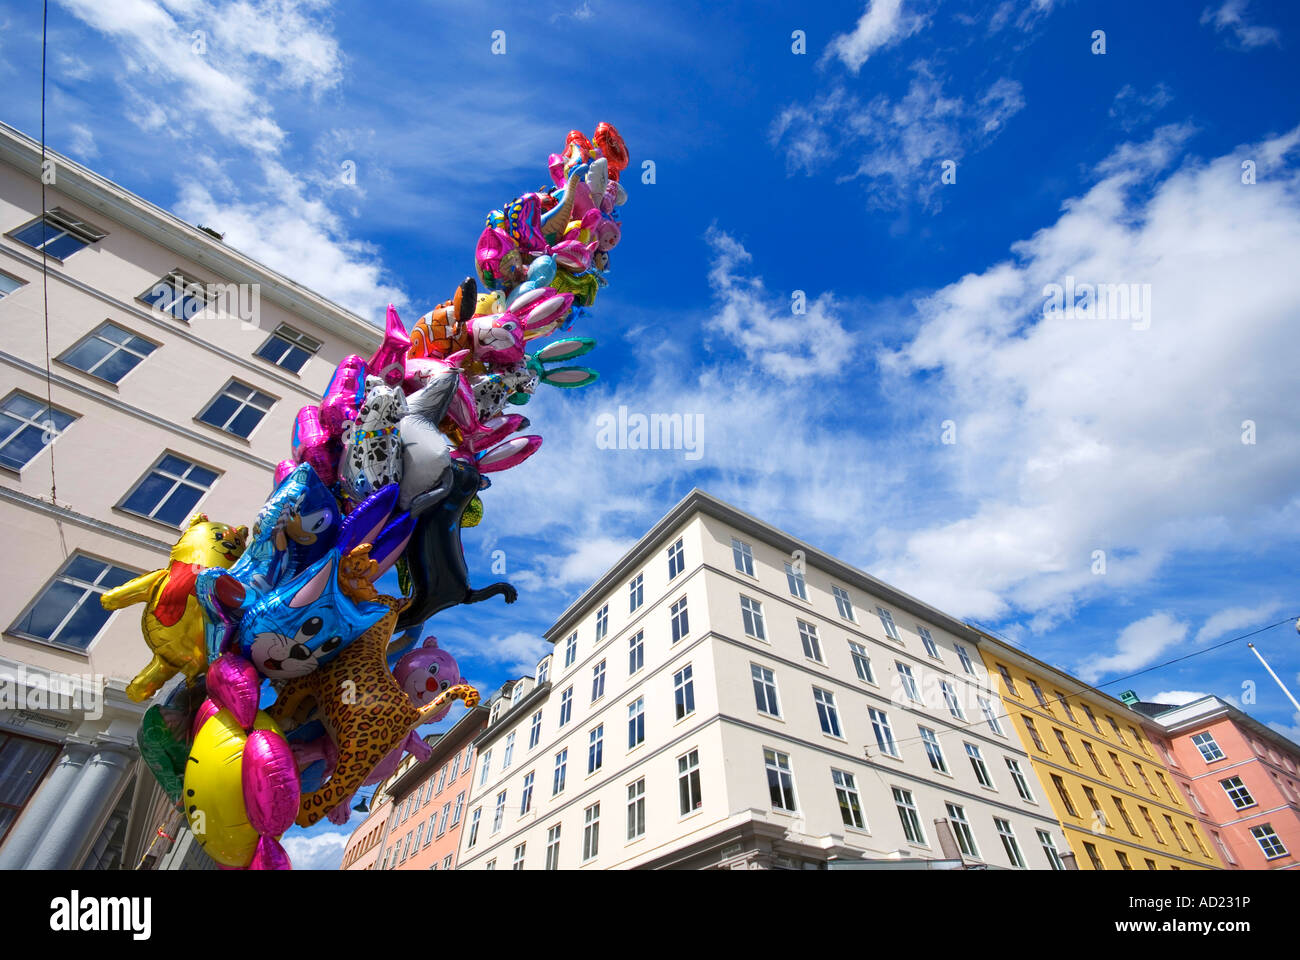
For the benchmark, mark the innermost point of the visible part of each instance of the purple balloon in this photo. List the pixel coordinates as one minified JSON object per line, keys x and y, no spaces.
{"x":271,"y":792}
{"x":233,"y":683}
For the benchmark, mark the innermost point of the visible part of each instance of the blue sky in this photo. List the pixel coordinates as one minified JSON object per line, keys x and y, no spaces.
{"x":820,"y":172}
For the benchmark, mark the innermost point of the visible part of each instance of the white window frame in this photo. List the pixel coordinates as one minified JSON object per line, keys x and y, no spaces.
{"x":751,"y":613}
{"x":764,"y":678}
{"x":742,"y":555}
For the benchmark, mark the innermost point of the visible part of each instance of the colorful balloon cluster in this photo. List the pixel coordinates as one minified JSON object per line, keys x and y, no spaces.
{"x":386,"y":471}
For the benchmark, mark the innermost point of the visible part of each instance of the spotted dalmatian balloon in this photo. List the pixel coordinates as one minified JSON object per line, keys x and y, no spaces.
{"x":372,"y":445}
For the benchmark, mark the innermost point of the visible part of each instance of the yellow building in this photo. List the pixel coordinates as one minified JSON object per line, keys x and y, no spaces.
{"x":1117,"y":803}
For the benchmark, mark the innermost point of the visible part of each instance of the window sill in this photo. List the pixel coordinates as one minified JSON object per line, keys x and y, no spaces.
{"x":98,"y":380}
{"x":770,"y":716}
{"x":831,"y":736}
{"x":684,"y":719}
{"x":53,"y":644}
{"x":691,"y":815}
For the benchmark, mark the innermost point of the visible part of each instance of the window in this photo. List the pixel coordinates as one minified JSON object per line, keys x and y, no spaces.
{"x":1196,"y":837}
{"x":765,"y":698}
{"x":597,"y":681}
{"x":908,"y":681}
{"x":485,"y":767}
{"x":1169,"y":790}
{"x":1237,"y":793}
{"x":68,"y":611}
{"x":964,"y":657}
{"x":595,"y":748}
{"x":1009,"y":843}
{"x":1092,"y":719}
{"x":1038,"y":695}
{"x":887,"y":621}
{"x":635,"y":652}
{"x":500,"y":813}
{"x":688,"y":782}
{"x":566,"y":705}
{"x":907,"y":815}
{"x":1033,"y":733}
{"x":460,"y":807}
{"x":23,"y":763}
{"x":990,"y":716}
{"x":1268,"y":841}
{"x":636,"y":809}
{"x":636,"y":723}
{"x":418,"y":832}
{"x":1169,"y":822}
{"x":1009,"y":681}
{"x":1223,"y":849}
{"x":602,"y":623}
{"x":446,"y":816}
{"x":636,"y":593}
{"x":927,"y":641}
{"x":59,"y":234}
{"x":1049,"y":848}
{"x":681,"y":625}
{"x":108,"y":352}
{"x":1092,"y":755}
{"x":961,"y":829}
{"x":526,"y":797}
{"x":1143,"y":777}
{"x":1065,"y":745}
{"x":684,"y":692}
{"x":491,"y":864}
{"x":1115,"y":726}
{"x":510,"y":751}
{"x":517,"y":693}
{"x":1093,"y":856}
{"x":861,"y":662}
{"x":288,"y":348}
{"x":1122,"y":857}
{"x":570,"y":650}
{"x":950,"y":698}
{"x":442,"y":779}
{"x":846,"y":792}
{"x":519,"y":857}
{"x":751,"y":612}
{"x":1123,"y":814}
{"x":455,"y":767}
{"x":1151,"y":824}
{"x":827,"y":715}
{"x":742,"y":556}
{"x":977,"y":764}
{"x":1065,"y":705}
{"x":8,"y":285}
{"x":1018,"y":778}
{"x":561,"y":768}
{"x":542,"y":669}
{"x":676,"y":563}
{"x":843,"y":603}
{"x":1208,"y":746}
{"x":1119,"y":767}
{"x":930,"y":740}
{"x":534,"y":734}
{"x":780,"y":781}
{"x":1098,"y":813}
{"x":27,"y":425}
{"x":553,"y":848}
{"x":795,"y":581}
{"x":591,"y":832}
{"x":170,"y":491}
{"x":177,"y":294}
{"x":1064,"y":794}
{"x":884,"y":733}
{"x":812,"y":647}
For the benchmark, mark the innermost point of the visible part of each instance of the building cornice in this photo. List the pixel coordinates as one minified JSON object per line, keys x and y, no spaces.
{"x":1179,"y":719}
{"x":488,"y":736}
{"x":135,"y":213}
{"x":80,"y":519}
{"x":699,"y":502}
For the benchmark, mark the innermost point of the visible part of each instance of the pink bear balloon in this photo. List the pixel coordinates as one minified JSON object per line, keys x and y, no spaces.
{"x":425,"y":672}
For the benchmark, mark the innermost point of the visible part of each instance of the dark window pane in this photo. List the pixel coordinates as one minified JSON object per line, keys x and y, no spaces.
{"x":220,"y":411}
{"x":33,"y":235}
{"x":18,"y":451}
{"x":84,"y":568}
{"x":142,"y":347}
{"x":243,"y":424}
{"x":85,"y":623}
{"x":50,"y":609}
{"x":296,"y":357}
{"x":115,"y":577}
{"x":64,"y":246}
{"x":86,"y":354}
{"x":173,"y":465}
{"x":179,"y":505}
{"x":149,"y":493}
{"x":202,"y":476}
{"x":117,"y":366}
{"x":273,"y":350}
{"x":22,"y":763}
{"x":111,"y":331}
{"x":23,"y":406}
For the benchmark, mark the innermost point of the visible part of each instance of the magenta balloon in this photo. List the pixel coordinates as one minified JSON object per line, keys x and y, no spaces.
{"x":269,"y":855}
{"x":389,"y":361}
{"x":207,"y":710}
{"x":344,"y":395}
{"x":508,"y":454}
{"x":271,"y":791}
{"x":313,"y":444}
{"x":233,"y":683}
{"x":283,"y":469}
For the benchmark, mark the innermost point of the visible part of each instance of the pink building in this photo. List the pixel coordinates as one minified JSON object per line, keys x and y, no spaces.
{"x":362,"y":850}
{"x":1242,"y":777}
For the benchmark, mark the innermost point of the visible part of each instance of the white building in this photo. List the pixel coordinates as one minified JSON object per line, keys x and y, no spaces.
{"x":176,"y":367}
{"x":729,"y":697}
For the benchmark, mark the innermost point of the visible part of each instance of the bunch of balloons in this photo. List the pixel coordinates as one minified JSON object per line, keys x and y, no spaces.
{"x":303,"y":682}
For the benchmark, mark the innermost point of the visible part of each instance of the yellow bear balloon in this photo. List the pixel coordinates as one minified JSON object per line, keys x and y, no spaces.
{"x":173,"y":621}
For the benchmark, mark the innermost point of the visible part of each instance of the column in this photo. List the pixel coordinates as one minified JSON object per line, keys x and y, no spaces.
{"x":44,"y":805}
{"x":95,"y":792}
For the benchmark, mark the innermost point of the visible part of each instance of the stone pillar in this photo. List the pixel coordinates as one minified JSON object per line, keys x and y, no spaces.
{"x":65,"y":839}
{"x":44,"y":806}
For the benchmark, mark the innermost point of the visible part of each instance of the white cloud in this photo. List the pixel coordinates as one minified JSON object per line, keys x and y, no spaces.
{"x":883,"y":24}
{"x":1077,"y":435}
{"x":1132,"y":109}
{"x":1231,"y":16}
{"x":516,"y":652}
{"x":1175,"y":697}
{"x":1138,"y":645}
{"x":320,"y":849}
{"x":1291,"y":731}
{"x":1234,"y":619}
{"x":897,"y":146}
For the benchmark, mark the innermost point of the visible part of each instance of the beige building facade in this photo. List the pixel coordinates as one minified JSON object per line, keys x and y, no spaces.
{"x":176,"y":367}
{"x":729,"y":697}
